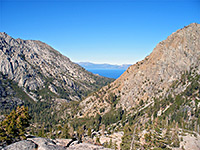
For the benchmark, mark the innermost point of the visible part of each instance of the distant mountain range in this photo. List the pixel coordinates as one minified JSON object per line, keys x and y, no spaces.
{"x":89,"y":65}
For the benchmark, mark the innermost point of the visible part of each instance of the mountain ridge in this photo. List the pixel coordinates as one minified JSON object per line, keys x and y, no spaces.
{"x":43,"y":72}
{"x":89,"y":65}
{"x":152,"y":77}
{"x":155,"y":102}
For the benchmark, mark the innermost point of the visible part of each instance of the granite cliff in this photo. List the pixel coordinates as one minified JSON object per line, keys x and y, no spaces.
{"x":43,"y":73}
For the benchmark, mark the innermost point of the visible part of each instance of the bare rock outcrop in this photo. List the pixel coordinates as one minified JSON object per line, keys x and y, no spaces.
{"x":8,"y":99}
{"x":22,"y":145}
{"x":87,"y":146}
{"x":48,"y":144}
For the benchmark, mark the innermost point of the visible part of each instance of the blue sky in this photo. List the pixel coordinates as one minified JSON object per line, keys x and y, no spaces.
{"x":98,"y":31}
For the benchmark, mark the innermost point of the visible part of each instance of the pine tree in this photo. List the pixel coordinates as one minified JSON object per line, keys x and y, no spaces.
{"x":80,"y":133}
{"x":106,"y":144}
{"x":13,"y":126}
{"x":89,"y":132}
{"x":115,"y":145}
{"x":65,"y":132}
{"x":98,"y":140}
{"x":110,"y":144}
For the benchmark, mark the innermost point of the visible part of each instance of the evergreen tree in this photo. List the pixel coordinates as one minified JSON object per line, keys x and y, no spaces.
{"x":89,"y":132}
{"x":110,"y":144}
{"x":80,"y":133}
{"x":98,"y":140}
{"x":65,"y":132}
{"x":115,"y":145}
{"x":12,"y":128}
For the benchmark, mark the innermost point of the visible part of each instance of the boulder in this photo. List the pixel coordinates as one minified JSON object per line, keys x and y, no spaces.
{"x":22,"y":145}
{"x":46,"y":144}
{"x":49,"y":144}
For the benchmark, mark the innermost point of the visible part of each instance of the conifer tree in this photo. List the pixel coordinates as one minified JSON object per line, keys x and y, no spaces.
{"x":110,"y":144}
{"x":80,"y":133}
{"x":89,"y":132}
{"x":65,"y":132}
{"x":12,"y":128}
{"x":98,"y":140}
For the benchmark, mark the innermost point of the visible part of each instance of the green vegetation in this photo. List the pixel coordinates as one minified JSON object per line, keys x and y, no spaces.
{"x":113,"y":116}
{"x":178,"y":111}
{"x":12,"y":128}
{"x":157,"y":126}
{"x":89,"y":132}
{"x":47,"y":113}
{"x":127,"y":138}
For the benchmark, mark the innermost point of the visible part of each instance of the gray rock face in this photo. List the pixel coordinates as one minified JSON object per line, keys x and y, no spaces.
{"x":7,"y":94}
{"x":48,"y":144}
{"x":36,"y":67}
{"x":87,"y":146}
{"x":22,"y":145}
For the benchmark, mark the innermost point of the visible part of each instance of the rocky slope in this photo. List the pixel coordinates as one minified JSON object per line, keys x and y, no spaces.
{"x":156,"y":102}
{"x":43,"y":73}
{"x":152,"y":77}
{"x":8,"y":98}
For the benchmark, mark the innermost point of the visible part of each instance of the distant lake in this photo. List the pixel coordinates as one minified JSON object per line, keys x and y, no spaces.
{"x":108,"y":73}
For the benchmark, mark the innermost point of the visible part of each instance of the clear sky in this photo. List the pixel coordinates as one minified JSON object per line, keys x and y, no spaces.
{"x":98,"y":31}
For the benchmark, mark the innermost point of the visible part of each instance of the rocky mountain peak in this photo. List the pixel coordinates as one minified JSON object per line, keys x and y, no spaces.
{"x":170,"y":58}
{"x":152,"y":77}
{"x":37,"y":67}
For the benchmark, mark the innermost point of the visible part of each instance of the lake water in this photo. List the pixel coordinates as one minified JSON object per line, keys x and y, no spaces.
{"x":108,"y":73}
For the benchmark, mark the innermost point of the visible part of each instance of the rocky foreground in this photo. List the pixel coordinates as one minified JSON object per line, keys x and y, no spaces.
{"x":189,"y":141}
{"x":49,"y":144}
